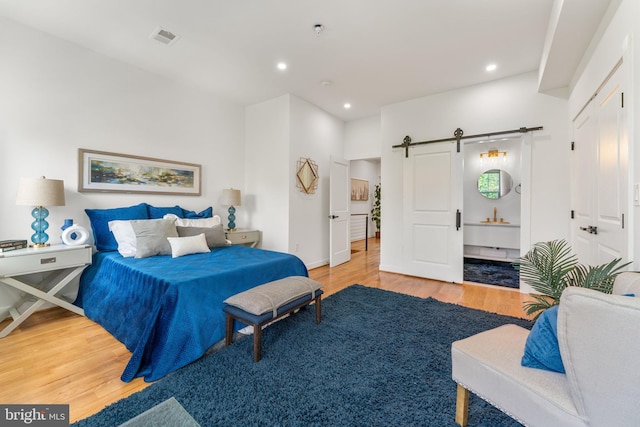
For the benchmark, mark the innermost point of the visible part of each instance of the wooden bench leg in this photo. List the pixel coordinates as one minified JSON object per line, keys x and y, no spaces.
{"x":318,"y":309}
{"x":462,"y":406}
{"x":229,"y":331}
{"x":257,"y":343}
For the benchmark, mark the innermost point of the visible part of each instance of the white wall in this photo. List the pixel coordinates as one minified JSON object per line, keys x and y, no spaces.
{"x":500,"y":105}
{"x":280,"y":132}
{"x":620,"y":39}
{"x":317,"y":135}
{"x":362,"y":139}
{"x":367,"y":170}
{"x":57,"y":97}
{"x":268,"y":168}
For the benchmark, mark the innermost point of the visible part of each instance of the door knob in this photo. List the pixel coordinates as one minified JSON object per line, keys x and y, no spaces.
{"x":333,"y":216}
{"x":590,"y":229}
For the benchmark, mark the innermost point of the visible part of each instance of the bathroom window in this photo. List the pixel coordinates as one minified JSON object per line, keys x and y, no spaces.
{"x":489,"y":184}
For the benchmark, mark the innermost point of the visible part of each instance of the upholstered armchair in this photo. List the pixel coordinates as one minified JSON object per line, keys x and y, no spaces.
{"x":599,"y":341}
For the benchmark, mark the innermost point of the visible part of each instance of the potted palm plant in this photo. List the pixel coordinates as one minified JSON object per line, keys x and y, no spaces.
{"x":375,"y":210}
{"x":550,"y":267}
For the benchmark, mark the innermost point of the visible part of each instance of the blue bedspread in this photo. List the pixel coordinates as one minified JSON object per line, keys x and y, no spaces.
{"x":168,"y":311}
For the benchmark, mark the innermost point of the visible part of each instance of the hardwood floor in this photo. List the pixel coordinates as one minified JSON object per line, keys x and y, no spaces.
{"x":57,"y":357}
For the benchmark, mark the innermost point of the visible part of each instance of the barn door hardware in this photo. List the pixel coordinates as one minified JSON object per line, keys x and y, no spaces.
{"x":458,"y":135}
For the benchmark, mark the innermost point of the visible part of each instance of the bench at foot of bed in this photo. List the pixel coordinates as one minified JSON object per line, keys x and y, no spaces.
{"x":271,"y":301}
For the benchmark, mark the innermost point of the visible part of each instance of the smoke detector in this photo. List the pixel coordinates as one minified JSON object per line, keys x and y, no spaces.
{"x":164,"y":36}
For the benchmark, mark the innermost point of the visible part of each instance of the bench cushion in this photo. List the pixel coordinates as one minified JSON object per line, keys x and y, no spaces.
{"x":259,"y":319}
{"x":273,"y":295}
{"x":488,"y":364}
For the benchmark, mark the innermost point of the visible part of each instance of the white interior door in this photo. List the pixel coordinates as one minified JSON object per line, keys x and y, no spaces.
{"x":612,"y":172}
{"x":600,"y":176}
{"x":583,"y":159}
{"x":432,"y":231}
{"x":339,"y":215}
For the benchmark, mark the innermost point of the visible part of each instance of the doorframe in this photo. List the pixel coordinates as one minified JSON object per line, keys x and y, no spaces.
{"x":526,"y":143}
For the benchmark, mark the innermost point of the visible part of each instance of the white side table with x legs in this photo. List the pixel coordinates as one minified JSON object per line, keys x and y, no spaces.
{"x":62,"y":263}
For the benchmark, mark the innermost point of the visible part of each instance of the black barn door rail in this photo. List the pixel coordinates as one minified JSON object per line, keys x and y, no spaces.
{"x":458,"y":136}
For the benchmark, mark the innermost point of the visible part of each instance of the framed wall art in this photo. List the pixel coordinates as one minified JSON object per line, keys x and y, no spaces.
{"x":359,"y":190}
{"x":101,"y":171}
{"x":307,"y":175}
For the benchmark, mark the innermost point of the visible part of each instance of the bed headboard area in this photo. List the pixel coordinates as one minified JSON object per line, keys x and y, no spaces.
{"x":144,"y":230}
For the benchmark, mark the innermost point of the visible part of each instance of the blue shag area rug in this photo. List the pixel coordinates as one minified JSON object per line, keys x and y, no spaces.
{"x":378,"y":358}
{"x":490,"y":272}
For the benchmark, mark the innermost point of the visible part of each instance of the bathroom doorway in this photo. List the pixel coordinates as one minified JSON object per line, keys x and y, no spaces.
{"x":493,"y":206}
{"x":365,"y":175}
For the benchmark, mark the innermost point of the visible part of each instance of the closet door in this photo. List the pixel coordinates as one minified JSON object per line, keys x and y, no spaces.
{"x":583,"y":160}
{"x":600,"y":196}
{"x":432,"y":198}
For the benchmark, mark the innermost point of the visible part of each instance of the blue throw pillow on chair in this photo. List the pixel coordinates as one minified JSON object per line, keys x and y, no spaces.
{"x":541,"y":350}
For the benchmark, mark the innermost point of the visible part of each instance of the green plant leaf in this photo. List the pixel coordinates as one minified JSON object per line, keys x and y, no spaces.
{"x":546,"y":266}
{"x":538,"y":306}
{"x":550,"y":267}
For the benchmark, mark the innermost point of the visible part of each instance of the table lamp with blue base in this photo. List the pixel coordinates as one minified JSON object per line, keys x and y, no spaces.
{"x":39,"y":192}
{"x":231,"y":197}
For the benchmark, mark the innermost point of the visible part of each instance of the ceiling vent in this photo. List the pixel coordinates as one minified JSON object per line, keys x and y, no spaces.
{"x":164,"y":36}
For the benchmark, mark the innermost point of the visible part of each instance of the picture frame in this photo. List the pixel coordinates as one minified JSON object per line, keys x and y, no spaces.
{"x":359,"y":190}
{"x":307,"y":175}
{"x":106,"y":172}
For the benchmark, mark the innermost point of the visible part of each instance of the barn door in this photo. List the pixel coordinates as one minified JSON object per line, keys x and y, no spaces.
{"x":433,"y":242}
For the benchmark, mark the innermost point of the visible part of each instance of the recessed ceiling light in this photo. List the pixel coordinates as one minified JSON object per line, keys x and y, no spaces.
{"x":347,"y":105}
{"x":282,"y":66}
{"x":491,"y":67}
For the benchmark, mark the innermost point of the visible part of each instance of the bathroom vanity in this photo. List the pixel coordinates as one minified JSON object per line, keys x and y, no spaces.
{"x":492,"y":241}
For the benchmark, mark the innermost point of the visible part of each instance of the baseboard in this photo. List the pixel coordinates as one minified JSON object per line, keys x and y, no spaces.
{"x":317,"y":264}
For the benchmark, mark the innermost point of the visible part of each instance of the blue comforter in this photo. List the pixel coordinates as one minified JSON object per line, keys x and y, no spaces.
{"x":168,"y":311}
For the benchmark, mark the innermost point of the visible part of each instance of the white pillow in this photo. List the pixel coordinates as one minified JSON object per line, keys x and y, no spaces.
{"x":125,"y":236}
{"x":188,"y":245}
{"x":194,"y":222}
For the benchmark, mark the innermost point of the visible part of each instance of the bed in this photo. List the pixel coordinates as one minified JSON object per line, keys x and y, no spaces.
{"x":168,"y":311}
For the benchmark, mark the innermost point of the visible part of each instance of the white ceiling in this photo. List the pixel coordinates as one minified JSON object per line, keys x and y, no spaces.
{"x":374,"y":52}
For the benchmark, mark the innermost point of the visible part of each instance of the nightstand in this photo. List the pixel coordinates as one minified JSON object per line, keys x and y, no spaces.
{"x":243,"y":236}
{"x":61,"y":263}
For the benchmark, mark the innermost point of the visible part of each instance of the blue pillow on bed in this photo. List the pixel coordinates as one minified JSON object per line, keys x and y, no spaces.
{"x":542,"y":350}
{"x":207,"y":213}
{"x":160,"y":212}
{"x":104,"y":239}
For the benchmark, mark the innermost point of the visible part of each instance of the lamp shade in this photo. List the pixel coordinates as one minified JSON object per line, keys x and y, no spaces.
{"x":40,"y":192}
{"x":231,"y":197}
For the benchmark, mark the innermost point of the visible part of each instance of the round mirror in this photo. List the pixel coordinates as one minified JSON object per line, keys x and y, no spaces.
{"x":494,"y":183}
